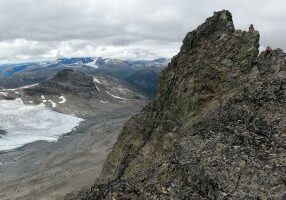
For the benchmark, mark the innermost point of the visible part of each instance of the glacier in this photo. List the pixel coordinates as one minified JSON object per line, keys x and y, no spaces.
{"x":29,"y":123}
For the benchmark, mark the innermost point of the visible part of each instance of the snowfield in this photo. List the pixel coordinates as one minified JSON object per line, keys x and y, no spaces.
{"x":95,"y":80}
{"x":92,"y":64}
{"x":28,"y":123}
{"x":116,"y":97}
{"x":24,"y":87}
{"x":4,"y":93}
{"x":53,"y":103}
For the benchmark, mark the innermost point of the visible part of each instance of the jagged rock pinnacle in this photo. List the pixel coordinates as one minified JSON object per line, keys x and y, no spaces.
{"x":214,"y":27}
{"x":216,"y":129}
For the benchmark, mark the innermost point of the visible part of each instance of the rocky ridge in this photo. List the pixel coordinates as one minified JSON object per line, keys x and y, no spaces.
{"x":216,"y":129}
{"x":74,"y":92}
{"x":19,"y":74}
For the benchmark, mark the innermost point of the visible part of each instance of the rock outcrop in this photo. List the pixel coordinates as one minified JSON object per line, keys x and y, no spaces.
{"x":216,"y":129}
{"x":67,"y":80}
{"x":74,"y":92}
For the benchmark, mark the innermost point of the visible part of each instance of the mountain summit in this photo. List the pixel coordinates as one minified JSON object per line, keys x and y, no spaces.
{"x":67,"y":80}
{"x":216,"y":129}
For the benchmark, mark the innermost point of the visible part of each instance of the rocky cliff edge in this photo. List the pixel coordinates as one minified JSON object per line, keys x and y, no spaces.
{"x":216,"y":129}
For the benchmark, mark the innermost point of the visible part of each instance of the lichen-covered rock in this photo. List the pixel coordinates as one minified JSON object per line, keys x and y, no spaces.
{"x":216,"y":129}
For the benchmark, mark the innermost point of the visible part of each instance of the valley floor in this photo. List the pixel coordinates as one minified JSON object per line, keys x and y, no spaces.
{"x":49,"y":170}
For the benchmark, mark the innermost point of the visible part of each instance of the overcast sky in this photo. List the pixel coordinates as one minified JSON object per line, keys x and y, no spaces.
{"x":133,"y":29}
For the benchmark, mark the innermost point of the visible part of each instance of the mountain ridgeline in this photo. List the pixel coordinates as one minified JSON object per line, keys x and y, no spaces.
{"x":216,"y":129}
{"x":142,"y":74}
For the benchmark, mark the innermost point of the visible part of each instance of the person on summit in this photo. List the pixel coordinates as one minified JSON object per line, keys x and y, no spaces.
{"x":268,"y":52}
{"x":251,"y":28}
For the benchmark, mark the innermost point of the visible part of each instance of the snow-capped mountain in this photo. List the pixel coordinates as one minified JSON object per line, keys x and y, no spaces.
{"x":26,"y":73}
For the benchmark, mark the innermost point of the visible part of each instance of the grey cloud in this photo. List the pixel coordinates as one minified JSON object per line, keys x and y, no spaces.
{"x":66,"y":28}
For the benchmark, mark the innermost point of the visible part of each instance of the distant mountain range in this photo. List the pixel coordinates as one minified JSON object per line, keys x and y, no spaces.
{"x":142,"y":74}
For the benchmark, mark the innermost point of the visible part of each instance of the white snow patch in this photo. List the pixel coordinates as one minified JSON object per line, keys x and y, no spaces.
{"x":123,"y":90}
{"x":95,"y":80}
{"x":63,"y":99}
{"x":44,"y":101}
{"x":97,"y":88}
{"x":28,"y":123}
{"x":31,"y":102}
{"x":24,"y":87}
{"x":47,"y":64}
{"x":92,"y":64}
{"x":4,"y":93}
{"x":28,"y":86}
{"x":16,"y":92}
{"x":43,"y":97}
{"x":117,"y":97}
{"x":104,"y":102}
{"x":53,"y":103}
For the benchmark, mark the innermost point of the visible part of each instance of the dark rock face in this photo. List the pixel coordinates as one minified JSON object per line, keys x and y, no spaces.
{"x":216,"y":129}
{"x":67,"y":80}
{"x":145,"y":81}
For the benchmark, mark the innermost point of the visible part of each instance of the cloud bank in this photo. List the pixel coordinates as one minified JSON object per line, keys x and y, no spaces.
{"x":122,"y":28}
